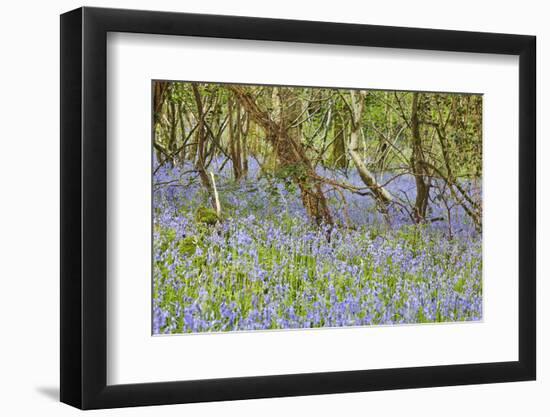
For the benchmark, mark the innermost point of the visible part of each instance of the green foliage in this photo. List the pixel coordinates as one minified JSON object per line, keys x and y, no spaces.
{"x":168,"y":236}
{"x":206,"y":216}
{"x":289,"y":171}
{"x":460,"y":284}
{"x":324,"y":127}
{"x":188,"y":245}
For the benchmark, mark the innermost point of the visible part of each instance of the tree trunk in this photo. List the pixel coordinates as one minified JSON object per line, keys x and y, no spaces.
{"x":288,"y":148}
{"x":235,"y":138}
{"x":181,"y":153}
{"x":471,"y":207}
{"x":339,"y":145}
{"x":418,"y":165}
{"x":172,"y":137}
{"x":201,"y":142}
{"x":160,"y":90}
{"x":238,"y":151}
{"x":244,"y":146}
{"x":382,"y":196}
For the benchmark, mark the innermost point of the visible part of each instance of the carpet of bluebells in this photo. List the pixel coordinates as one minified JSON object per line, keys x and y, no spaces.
{"x":266,"y":266}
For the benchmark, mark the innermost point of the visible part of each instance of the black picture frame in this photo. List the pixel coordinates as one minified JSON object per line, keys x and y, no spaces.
{"x":84,"y":207}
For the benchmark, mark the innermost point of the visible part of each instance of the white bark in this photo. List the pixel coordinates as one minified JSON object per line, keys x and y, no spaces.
{"x":357,"y":105}
{"x":216,"y":197}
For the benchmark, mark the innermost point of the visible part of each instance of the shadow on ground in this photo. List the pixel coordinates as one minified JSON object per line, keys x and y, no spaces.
{"x":50,"y":392}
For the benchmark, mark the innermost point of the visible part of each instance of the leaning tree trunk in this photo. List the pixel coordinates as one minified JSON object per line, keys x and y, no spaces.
{"x":472,"y":208}
{"x":282,"y":133}
{"x":382,"y":196}
{"x":418,"y":165}
{"x":201,"y":134}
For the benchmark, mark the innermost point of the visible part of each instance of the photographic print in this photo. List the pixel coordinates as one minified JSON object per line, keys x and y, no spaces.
{"x":279,"y":207}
